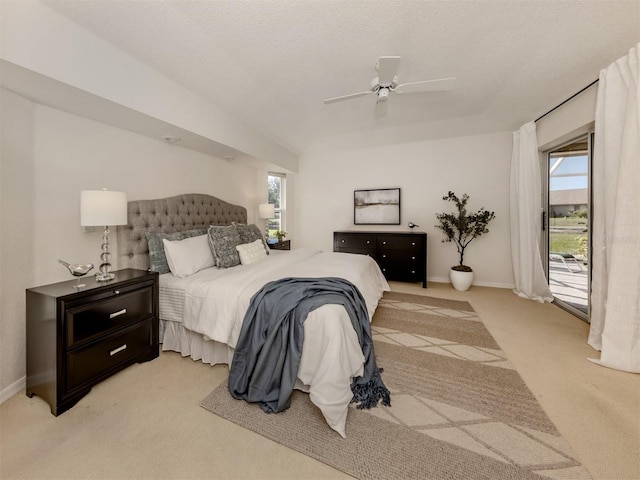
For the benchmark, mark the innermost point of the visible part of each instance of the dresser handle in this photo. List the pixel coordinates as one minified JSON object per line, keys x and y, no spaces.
{"x":342,"y":241}
{"x":117,"y":292}
{"x":413,"y":258}
{"x":368,"y":242}
{"x":413,"y":271}
{"x":117,"y":350}
{"x":413,"y":243}
{"x":384,"y":243}
{"x":384,"y":256}
{"x":118,"y":313}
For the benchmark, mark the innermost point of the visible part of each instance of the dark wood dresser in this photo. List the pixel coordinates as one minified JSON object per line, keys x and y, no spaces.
{"x":401,"y":256}
{"x":78,"y":337}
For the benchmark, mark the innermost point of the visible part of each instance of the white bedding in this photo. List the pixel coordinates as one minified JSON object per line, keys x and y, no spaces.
{"x":214,"y":301}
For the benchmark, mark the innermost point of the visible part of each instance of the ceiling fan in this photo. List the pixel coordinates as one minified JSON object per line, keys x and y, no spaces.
{"x":387,"y":82}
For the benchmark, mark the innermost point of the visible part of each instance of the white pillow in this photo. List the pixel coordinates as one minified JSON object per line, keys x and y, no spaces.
{"x":189,"y":255}
{"x":251,"y":252}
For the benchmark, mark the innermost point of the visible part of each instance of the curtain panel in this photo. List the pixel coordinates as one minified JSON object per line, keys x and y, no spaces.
{"x":615,"y":292}
{"x":525,"y":213}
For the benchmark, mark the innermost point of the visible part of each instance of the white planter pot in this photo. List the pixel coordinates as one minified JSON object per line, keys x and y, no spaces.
{"x":460,"y":280}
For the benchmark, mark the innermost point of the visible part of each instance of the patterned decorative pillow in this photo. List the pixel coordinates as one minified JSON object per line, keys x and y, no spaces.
{"x":223,"y":242}
{"x":249,"y":234}
{"x":157,"y":258}
{"x":251,"y":252}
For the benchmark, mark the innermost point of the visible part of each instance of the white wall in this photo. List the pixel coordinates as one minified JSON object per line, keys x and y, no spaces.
{"x":48,"y":157}
{"x":425,"y":172}
{"x":17,"y":234}
{"x":40,"y":40}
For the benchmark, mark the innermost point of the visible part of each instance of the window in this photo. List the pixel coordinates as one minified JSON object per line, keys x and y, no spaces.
{"x":277,"y":196}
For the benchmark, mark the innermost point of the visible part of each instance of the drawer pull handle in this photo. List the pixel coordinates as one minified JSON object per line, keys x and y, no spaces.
{"x":384,"y":256}
{"x":342,"y":241}
{"x":384,"y":243}
{"x":117,"y":292}
{"x":413,"y":243}
{"x":117,"y":350}
{"x":118,"y":313}
{"x":368,"y":241}
{"x":413,"y":258}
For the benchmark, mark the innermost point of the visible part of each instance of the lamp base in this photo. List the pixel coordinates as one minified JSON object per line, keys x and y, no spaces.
{"x":104,"y":271}
{"x":105,"y":277}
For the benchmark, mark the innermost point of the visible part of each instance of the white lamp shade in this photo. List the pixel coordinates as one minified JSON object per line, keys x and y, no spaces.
{"x":266,"y":210}
{"x":102,"y":208}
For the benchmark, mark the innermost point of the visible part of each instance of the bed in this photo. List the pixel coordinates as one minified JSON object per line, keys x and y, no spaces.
{"x":201,"y":314}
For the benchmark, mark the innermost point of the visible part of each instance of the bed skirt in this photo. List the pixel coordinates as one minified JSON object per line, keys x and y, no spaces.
{"x":176,"y":338}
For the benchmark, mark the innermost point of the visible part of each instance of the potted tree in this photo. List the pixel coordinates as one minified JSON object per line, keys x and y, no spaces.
{"x":461,"y":228}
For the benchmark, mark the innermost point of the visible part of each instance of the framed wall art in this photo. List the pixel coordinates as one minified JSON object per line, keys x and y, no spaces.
{"x":376,"y":207}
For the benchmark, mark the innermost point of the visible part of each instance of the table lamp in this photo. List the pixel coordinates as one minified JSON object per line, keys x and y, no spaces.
{"x":265,"y":212}
{"x":103,"y":208}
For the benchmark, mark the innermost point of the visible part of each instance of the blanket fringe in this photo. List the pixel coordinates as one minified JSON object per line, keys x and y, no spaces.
{"x":368,"y":394}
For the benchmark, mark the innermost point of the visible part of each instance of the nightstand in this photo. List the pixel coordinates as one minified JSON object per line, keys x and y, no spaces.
{"x":283,"y":245}
{"x":78,"y":337}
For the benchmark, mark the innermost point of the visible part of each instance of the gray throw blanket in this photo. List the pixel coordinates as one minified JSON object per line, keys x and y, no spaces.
{"x":267,"y":356}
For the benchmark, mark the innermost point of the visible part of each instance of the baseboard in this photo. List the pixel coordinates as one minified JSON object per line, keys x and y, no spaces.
{"x":11,"y":390}
{"x":477,"y":284}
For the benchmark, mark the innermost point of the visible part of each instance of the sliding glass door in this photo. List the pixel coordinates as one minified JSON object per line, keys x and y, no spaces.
{"x":568,"y":225}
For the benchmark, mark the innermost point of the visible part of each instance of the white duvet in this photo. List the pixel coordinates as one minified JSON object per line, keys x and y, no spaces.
{"x":216,"y":301}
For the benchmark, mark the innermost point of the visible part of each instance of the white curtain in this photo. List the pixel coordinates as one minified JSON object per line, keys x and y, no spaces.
{"x":615,"y":293}
{"x":525,"y":216}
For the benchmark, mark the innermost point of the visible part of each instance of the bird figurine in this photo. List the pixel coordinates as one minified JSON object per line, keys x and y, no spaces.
{"x":412,"y":225}
{"x":77,"y":270}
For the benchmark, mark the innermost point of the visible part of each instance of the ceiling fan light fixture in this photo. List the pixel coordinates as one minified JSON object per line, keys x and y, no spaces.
{"x":387,"y":82}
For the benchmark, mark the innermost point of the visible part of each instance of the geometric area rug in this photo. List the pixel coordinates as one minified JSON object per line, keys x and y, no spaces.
{"x":459,"y":410}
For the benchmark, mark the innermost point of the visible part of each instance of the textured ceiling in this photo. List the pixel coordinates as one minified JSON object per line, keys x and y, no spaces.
{"x":272,"y":62}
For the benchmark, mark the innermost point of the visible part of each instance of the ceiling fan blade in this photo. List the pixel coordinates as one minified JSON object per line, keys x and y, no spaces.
{"x":347,"y":97}
{"x":437,"y":85}
{"x":387,"y":69}
{"x":381,"y":109}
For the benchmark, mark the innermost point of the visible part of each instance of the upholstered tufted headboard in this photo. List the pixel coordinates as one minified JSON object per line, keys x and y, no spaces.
{"x":168,"y":215}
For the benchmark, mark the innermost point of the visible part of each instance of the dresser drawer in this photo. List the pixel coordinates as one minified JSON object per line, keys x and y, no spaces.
{"x":401,"y":242}
{"x":412,"y":257}
{"x":362,"y":242}
{"x":402,"y":272}
{"x":85,"y":364}
{"x":102,"y":315}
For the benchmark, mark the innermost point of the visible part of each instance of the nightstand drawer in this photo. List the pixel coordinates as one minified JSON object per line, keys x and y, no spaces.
{"x":85,"y":364}
{"x":283,"y":245}
{"x":101,"y":316}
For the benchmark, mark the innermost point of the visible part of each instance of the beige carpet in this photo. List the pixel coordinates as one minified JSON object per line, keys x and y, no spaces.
{"x":459,"y":409}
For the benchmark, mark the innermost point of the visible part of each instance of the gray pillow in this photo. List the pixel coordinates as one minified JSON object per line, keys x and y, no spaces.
{"x":223,"y":242}
{"x":249,"y":234}
{"x":157,"y":258}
